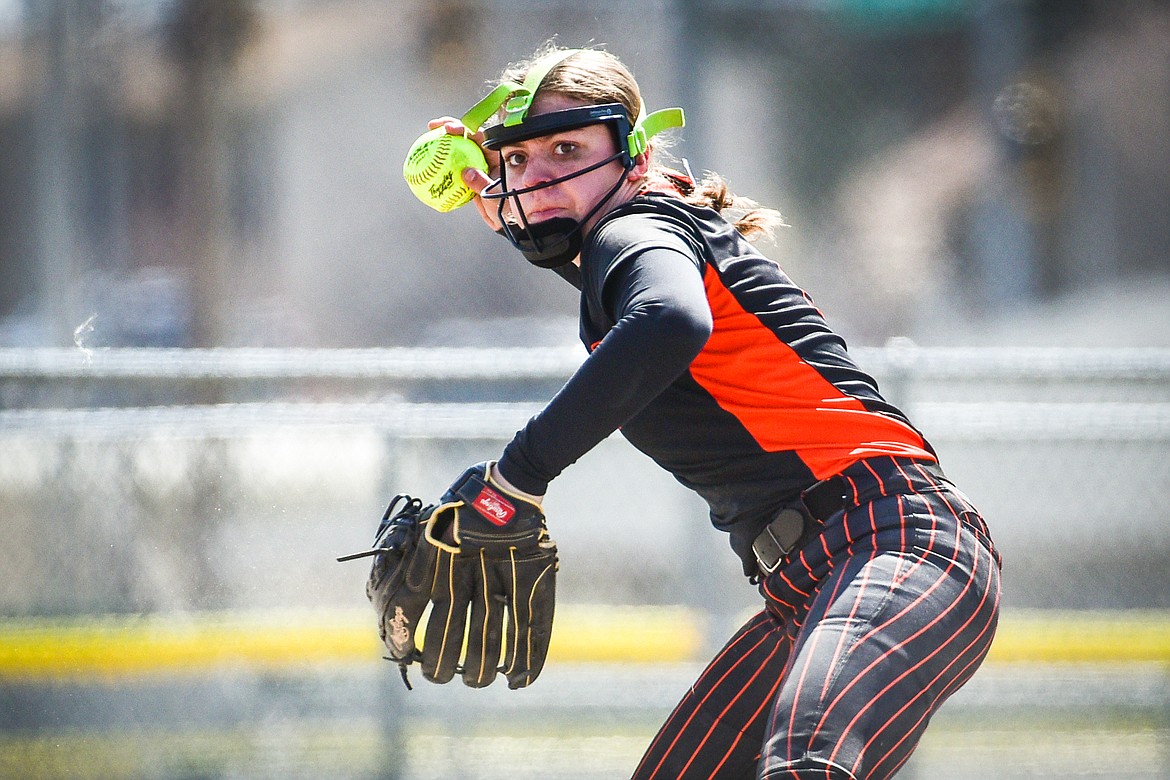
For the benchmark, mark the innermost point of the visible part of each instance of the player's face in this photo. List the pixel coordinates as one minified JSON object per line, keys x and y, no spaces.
{"x":548,"y":157}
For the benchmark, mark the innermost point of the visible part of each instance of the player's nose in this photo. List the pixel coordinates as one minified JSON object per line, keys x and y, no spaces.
{"x":538,"y":169}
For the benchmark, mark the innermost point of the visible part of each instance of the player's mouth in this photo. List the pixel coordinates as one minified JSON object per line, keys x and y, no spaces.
{"x":546,"y":213}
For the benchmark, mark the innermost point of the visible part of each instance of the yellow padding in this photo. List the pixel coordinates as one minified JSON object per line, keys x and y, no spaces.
{"x":125,"y":645}
{"x":120,"y":646}
{"x":116,"y":646}
{"x":627,"y":634}
{"x":1124,"y":636}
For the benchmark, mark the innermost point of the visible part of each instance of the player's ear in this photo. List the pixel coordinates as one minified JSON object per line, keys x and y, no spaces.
{"x":641,"y":167}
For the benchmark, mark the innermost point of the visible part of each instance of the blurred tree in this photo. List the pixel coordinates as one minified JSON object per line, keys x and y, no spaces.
{"x":206,"y":38}
{"x":56,"y":30}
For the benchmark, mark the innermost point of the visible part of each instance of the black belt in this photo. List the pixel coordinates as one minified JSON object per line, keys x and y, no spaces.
{"x":794,"y":525}
{"x":829,"y":496}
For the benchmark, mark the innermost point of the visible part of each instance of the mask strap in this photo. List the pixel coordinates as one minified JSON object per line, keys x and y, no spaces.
{"x":516,"y":98}
{"x":649,"y":126}
{"x":482,"y":111}
{"x":516,"y":108}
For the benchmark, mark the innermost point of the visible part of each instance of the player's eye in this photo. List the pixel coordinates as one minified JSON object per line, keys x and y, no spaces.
{"x":513,"y":159}
{"x":563,"y":148}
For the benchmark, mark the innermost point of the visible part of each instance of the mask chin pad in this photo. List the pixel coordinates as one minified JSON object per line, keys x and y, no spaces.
{"x":548,"y":244}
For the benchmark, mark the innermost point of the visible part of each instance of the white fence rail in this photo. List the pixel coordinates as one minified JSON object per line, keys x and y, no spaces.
{"x":419,"y":363}
{"x":1128,"y":396}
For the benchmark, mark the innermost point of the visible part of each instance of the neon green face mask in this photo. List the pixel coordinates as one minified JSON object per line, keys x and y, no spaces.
{"x":557,"y":241}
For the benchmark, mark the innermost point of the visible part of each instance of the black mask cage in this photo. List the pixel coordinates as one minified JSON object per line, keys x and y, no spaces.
{"x":555,"y":242}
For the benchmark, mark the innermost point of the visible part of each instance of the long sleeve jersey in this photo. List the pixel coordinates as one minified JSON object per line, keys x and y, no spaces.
{"x":712,"y":362}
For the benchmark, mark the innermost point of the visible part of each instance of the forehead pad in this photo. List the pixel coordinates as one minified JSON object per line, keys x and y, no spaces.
{"x":537,"y":125}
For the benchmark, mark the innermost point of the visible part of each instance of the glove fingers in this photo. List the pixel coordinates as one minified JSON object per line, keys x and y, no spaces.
{"x":398,"y":598}
{"x":484,"y":634}
{"x":531,"y":584}
{"x":400,"y":610}
{"x":450,"y":596}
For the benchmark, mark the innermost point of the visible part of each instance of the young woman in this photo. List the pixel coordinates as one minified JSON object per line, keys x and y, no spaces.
{"x":879,"y":580}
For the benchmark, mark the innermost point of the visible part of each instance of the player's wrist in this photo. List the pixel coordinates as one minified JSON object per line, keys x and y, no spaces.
{"x":496,"y":476}
{"x":515,"y":468}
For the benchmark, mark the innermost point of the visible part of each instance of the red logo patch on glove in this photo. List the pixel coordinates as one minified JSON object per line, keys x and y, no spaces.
{"x":497,"y":509}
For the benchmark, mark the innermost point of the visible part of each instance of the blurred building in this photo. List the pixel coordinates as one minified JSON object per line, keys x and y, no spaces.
{"x":177,"y":172}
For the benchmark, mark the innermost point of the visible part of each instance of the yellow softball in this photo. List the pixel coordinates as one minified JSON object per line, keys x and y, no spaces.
{"x":434,"y":168}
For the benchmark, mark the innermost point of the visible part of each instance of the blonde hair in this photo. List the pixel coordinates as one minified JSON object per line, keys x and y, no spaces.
{"x":594,"y":77}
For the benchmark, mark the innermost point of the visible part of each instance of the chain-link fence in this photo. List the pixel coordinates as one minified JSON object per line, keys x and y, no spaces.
{"x":173,"y":608}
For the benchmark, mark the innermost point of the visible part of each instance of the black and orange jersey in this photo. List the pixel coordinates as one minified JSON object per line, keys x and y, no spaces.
{"x":712,"y":362}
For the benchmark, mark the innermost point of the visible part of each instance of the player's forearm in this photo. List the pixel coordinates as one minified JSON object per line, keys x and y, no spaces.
{"x":642,"y":355}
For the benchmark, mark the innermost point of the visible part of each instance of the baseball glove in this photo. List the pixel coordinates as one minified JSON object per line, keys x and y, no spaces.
{"x":483,"y":559}
{"x":401,"y":577}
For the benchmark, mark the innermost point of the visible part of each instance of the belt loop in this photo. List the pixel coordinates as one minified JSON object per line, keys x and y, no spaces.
{"x":825,"y":498}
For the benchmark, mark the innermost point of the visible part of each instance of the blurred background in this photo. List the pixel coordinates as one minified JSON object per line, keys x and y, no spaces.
{"x":228,"y":334}
{"x":219,"y":172}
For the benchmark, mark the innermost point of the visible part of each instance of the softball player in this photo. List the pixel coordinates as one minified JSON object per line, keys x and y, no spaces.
{"x":880,"y":582}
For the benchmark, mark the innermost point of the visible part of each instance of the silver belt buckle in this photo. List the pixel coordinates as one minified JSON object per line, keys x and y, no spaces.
{"x":778,"y":538}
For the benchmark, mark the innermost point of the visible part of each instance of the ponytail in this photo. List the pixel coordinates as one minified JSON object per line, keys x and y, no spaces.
{"x":748,"y":217}
{"x":752,"y":220}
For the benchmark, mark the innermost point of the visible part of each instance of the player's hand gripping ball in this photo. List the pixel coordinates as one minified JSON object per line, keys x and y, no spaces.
{"x":434,"y":168}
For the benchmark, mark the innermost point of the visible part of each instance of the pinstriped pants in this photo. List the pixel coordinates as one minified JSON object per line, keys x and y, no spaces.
{"x":866,"y":631}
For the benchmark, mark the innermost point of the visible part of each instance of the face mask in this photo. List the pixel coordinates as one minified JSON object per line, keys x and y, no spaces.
{"x":554,"y":242}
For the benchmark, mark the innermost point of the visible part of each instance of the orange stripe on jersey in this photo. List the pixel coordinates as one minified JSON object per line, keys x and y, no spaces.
{"x":785,"y":403}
